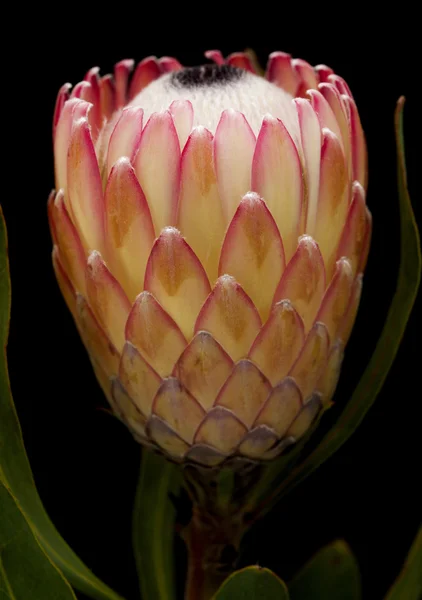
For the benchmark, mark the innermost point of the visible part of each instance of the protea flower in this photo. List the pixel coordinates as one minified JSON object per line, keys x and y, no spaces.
{"x":210,"y":234}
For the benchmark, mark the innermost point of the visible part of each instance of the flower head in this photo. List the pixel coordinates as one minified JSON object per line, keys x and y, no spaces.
{"x":210,"y":234}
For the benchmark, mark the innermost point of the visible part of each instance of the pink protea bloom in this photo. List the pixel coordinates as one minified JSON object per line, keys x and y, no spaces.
{"x":210,"y":234}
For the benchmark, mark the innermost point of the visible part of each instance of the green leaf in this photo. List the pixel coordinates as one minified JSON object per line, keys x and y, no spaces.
{"x":332,"y":573}
{"x":15,"y":471}
{"x":408,"y":585}
{"x":153,"y":526}
{"x":383,"y":357}
{"x":253,"y":583}
{"x":25,"y":569}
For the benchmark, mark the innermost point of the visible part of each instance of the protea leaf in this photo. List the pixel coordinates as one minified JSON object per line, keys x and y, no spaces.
{"x":154,"y":526}
{"x":15,"y":471}
{"x":331,"y":574}
{"x":253,"y":583}
{"x":21,"y":553}
{"x":408,"y":585}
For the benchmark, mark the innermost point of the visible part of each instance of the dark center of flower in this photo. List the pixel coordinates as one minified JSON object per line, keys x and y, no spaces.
{"x":206,"y":76}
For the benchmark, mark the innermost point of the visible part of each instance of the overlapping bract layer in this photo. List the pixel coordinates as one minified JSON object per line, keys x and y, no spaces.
{"x":215,"y":317}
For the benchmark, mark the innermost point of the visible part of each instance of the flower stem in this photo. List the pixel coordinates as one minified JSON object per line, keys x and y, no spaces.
{"x":212,"y":548}
{"x":219,"y":521}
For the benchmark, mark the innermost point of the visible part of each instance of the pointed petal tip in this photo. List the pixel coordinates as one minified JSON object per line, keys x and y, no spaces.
{"x":143,"y":296}
{"x":170,"y":232}
{"x":58,"y":198}
{"x":344,"y":264}
{"x":328,"y":136}
{"x":94,"y":259}
{"x":285,"y":303}
{"x":279,"y":53}
{"x":122,"y":161}
{"x":358,"y":188}
{"x":216,"y":56}
{"x":252,"y":198}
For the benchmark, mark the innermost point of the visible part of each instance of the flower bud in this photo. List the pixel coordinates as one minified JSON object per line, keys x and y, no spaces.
{"x":210,"y":234}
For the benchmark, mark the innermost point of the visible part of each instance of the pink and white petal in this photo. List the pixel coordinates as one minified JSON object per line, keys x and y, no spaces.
{"x":241,"y":61}
{"x":329,"y":378}
{"x":71,"y":252}
{"x":157,"y":166}
{"x":126,"y":136}
{"x":325,"y":113}
{"x":336,"y":298}
{"x":92,"y":78}
{"x":166,"y":438}
{"x":216,"y":56}
{"x":312,"y":360}
{"x":65,"y":285}
{"x":257,"y":442}
{"x":221,"y":429}
{"x":333,"y":203}
{"x":323,"y":72}
{"x":346,"y":325}
{"x":234,"y":146}
{"x":277,"y":177}
{"x":303,"y":281}
{"x":85,"y":187}
{"x":253,"y":252}
{"x":122,"y":71}
{"x":310,"y":133}
{"x":168,"y":64}
{"x":146,"y":71}
{"x":281,"y":72}
{"x":305,"y":418}
{"x":95,"y":116}
{"x":340,"y":111}
{"x":281,"y":407}
{"x":244,"y":392}
{"x":107,"y":299}
{"x":177,"y":279}
{"x":279,"y":342}
{"x":230,"y":316}
{"x":62,"y":97}
{"x":179,"y":409}
{"x":72,"y":110}
{"x":203,"y":368}
{"x":84,"y":91}
{"x":200,"y":216}
{"x":154,"y":334}
{"x":107,"y":96}
{"x":138,"y":378}
{"x":307,"y":77}
{"x":359,"y":153}
{"x":129,"y":230}
{"x":353,"y":237}
{"x":98,"y":344}
{"x":182,"y":113}
{"x":340,"y":85}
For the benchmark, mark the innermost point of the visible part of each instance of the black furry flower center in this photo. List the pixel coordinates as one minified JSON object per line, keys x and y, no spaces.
{"x":206,"y":76}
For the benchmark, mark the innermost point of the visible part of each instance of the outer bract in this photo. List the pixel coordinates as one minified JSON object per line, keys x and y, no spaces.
{"x":210,"y":234}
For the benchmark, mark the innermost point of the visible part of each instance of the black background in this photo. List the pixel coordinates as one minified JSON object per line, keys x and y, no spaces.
{"x":85,"y":463}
